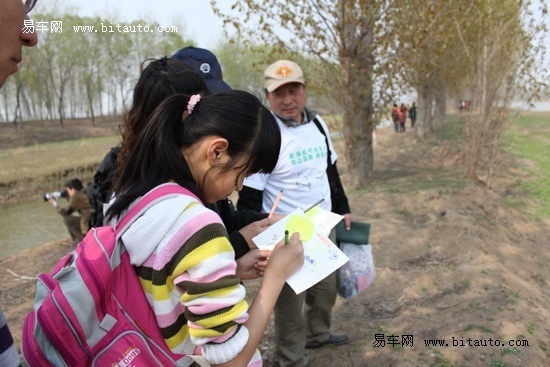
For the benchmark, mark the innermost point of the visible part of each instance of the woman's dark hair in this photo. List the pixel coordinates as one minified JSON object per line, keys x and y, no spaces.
{"x":158,"y":80}
{"x":237,"y":116}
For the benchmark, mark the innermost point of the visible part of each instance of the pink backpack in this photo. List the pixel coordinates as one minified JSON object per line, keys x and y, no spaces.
{"x":90,"y":310}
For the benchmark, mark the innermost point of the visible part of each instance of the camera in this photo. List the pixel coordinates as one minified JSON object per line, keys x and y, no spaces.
{"x":56,"y":195}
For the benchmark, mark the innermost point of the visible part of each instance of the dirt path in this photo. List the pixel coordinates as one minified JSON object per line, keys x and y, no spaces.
{"x":453,"y":262}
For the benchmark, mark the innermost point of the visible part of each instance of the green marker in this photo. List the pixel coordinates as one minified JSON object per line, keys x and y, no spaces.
{"x":286,"y":237}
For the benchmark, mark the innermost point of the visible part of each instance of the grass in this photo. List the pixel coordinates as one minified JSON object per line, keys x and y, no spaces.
{"x":531,"y":329}
{"x":452,"y":131}
{"x":535,"y":147}
{"x":526,"y":136}
{"x":49,"y":158}
{"x":471,"y":327}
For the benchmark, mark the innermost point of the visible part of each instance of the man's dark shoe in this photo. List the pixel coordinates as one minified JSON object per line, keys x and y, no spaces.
{"x":333,"y":339}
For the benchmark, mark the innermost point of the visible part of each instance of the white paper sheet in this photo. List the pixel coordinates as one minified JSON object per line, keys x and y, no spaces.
{"x":323,"y":219}
{"x":322,"y":256}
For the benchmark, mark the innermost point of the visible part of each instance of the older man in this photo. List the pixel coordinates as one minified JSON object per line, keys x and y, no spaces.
{"x":306,"y":172}
{"x":13,"y":14}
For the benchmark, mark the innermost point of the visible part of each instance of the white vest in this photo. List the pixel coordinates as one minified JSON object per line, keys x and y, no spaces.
{"x":301,"y":170}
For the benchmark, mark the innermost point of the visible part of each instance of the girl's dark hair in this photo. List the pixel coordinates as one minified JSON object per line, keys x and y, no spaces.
{"x":237,"y":116}
{"x":158,"y":80}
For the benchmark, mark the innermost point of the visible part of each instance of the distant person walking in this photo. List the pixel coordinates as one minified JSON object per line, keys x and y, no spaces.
{"x":395,"y":117}
{"x":402,"y":117}
{"x":412,"y":114}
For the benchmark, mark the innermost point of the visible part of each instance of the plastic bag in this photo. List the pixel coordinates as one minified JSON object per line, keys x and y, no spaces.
{"x":358,"y":273}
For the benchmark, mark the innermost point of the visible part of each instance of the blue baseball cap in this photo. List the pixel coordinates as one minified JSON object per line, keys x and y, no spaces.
{"x":206,"y":64}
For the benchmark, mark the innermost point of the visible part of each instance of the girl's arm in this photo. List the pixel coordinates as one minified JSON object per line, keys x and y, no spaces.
{"x":284,"y":261}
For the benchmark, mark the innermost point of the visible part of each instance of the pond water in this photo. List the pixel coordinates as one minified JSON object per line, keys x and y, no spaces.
{"x":29,"y":224}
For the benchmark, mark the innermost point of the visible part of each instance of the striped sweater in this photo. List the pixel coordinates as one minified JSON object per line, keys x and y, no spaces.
{"x":8,"y":352}
{"x":187,"y":266}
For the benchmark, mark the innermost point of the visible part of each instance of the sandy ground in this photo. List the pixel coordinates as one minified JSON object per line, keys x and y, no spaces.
{"x":453,"y":262}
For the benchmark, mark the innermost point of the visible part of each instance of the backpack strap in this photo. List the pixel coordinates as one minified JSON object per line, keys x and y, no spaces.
{"x":153,"y":197}
{"x":318,"y":124}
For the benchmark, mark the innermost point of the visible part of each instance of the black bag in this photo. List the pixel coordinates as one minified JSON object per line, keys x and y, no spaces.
{"x":100,"y":191}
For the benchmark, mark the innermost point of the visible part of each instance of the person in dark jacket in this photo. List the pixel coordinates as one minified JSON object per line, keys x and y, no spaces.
{"x":305,"y":172}
{"x":412,"y":114}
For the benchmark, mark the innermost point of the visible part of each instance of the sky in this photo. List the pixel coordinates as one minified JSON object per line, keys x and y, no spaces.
{"x":202,"y":25}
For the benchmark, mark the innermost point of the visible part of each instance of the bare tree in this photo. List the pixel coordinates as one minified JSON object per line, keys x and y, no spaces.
{"x":502,"y":63}
{"x":349,"y":42}
{"x":430,"y":57}
{"x":70,"y":74}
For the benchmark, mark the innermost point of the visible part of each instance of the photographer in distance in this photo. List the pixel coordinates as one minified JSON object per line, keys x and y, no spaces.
{"x":78,"y":202}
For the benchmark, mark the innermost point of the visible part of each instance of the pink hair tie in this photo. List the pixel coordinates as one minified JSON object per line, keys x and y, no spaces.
{"x":193,"y":102}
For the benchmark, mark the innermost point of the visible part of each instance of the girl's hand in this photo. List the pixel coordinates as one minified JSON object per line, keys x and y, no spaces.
{"x":255,"y":228}
{"x":252,"y":265}
{"x":261,"y":265}
{"x":285,"y":260}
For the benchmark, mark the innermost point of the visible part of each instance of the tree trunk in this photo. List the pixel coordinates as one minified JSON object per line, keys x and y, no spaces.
{"x":358,"y":125}
{"x":440,"y":108}
{"x":423,"y":121}
{"x":357,"y":65}
{"x":90,"y":98}
{"x":18,"y":89}
{"x":471,"y":146}
{"x":60,"y":110}
{"x":17,"y":108}
{"x":429,"y":125}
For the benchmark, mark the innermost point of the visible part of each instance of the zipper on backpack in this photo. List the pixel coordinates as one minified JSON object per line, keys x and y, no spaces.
{"x":49,"y":331}
{"x":97,"y":290}
{"x":71,"y":327}
{"x":28,"y":355}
